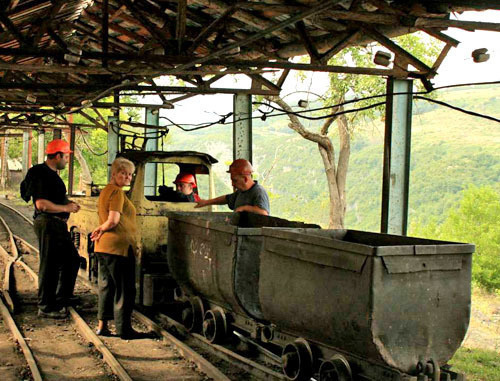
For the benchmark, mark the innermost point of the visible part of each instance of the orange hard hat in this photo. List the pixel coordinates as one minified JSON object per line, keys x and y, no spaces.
{"x":240,"y":167}
{"x":185,"y":178}
{"x":57,"y":145}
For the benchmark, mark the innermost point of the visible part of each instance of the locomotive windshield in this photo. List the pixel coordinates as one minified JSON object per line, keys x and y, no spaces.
{"x":162,"y":188}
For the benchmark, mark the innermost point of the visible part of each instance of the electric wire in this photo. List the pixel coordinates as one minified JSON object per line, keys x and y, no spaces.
{"x":88,"y":145}
{"x":300,"y":113}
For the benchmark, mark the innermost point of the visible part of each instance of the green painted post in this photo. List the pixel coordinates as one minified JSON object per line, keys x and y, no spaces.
{"x":397,"y":147}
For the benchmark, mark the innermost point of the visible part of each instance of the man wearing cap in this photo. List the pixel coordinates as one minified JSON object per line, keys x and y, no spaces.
{"x":249,"y":196}
{"x":185,"y":185}
{"x":59,"y":260}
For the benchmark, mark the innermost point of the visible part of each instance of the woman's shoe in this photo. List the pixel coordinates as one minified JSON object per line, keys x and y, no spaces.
{"x":131,"y":334}
{"x":103,"y":332}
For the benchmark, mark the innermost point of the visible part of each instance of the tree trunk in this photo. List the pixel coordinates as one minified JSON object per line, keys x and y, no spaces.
{"x":336,"y":174}
{"x":86,"y":175}
{"x":344,"y":154}
{"x":336,"y":212}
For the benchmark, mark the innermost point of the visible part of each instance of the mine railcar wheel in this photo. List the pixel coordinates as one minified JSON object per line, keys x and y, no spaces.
{"x":215,"y":325}
{"x":335,"y":369}
{"x":192,"y":314}
{"x":297,"y":360}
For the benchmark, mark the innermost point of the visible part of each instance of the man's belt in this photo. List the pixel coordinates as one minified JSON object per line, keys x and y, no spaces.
{"x":60,"y":218}
{"x":65,"y":220}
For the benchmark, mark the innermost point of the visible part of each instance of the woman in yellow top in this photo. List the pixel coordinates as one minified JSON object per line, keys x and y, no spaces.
{"x":115,"y":246}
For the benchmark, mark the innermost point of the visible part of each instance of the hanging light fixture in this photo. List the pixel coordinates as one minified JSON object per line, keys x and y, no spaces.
{"x":382,"y":58}
{"x":480,"y":55}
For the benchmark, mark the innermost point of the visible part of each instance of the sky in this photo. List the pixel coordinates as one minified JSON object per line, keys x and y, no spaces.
{"x":458,"y":67}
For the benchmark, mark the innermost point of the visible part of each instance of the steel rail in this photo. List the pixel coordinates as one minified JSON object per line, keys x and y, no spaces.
{"x":83,"y":327}
{"x":28,"y":355}
{"x":13,"y":248}
{"x":78,"y":321}
{"x":28,"y":220}
{"x":204,"y":365}
{"x":225,"y":354}
{"x":10,"y":259}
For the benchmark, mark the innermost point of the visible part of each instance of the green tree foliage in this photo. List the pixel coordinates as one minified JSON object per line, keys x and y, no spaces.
{"x":475,"y":221}
{"x":349,"y":86}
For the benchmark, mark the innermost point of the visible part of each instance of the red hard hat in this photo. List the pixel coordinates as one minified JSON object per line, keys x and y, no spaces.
{"x":185,"y":178}
{"x":240,"y":167}
{"x":57,"y":145}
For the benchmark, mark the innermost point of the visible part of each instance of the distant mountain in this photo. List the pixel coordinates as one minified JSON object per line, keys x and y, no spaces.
{"x":449,"y":151}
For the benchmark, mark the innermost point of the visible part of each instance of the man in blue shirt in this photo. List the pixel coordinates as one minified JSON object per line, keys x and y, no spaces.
{"x":249,"y":196}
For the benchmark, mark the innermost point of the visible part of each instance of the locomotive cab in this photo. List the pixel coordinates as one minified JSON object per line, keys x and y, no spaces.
{"x":153,"y":194}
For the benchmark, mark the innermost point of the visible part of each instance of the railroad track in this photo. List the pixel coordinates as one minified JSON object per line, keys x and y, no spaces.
{"x":72,"y":355}
{"x":253,"y":363}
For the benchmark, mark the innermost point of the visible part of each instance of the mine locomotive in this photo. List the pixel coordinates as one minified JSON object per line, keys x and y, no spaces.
{"x":333,"y":304}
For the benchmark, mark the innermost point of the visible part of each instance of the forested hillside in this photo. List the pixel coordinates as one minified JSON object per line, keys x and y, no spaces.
{"x":450,"y":150}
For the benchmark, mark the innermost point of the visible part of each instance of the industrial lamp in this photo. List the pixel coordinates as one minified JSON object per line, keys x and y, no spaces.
{"x":382,"y":58}
{"x":480,"y":55}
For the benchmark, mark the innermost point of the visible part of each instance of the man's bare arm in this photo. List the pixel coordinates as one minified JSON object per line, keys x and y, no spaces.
{"x":252,"y":209}
{"x":221,"y":200}
{"x":47,"y":206}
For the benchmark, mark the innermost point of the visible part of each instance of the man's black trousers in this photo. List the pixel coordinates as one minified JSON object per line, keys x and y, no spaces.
{"x":59,"y":262}
{"x":116,"y":280}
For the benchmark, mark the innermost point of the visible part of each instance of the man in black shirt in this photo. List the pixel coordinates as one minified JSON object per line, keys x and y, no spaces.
{"x":59,"y":260}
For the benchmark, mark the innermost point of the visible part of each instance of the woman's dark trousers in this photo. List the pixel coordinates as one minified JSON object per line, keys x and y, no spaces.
{"x":116,"y":280}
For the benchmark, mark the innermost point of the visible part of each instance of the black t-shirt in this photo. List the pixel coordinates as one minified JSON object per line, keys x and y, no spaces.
{"x":46,"y":184}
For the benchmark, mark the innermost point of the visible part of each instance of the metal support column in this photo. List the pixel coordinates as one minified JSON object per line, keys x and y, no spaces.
{"x":26,"y":140}
{"x":3,"y":159}
{"x":150,"y":174}
{"x":71,"y":167}
{"x":242,"y":127}
{"x":41,"y":146}
{"x":397,"y":146}
{"x":113,"y":129}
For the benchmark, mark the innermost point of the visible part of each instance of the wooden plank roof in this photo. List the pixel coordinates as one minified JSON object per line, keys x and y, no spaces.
{"x":54,"y":55}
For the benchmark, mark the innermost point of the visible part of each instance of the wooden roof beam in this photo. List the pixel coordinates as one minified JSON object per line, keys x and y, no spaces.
{"x":105,"y":33}
{"x":339,"y":46}
{"x":396,"y":49}
{"x":211,"y":28}
{"x":48,"y":19}
{"x":9,"y":25}
{"x":72,"y":87}
{"x":423,"y":22}
{"x":311,"y":49}
{"x":115,"y":27}
{"x":180,"y":28}
{"x":12,"y":4}
{"x":250,"y":18}
{"x":143,"y":70}
{"x":137,"y":13}
{"x":441,"y":36}
{"x":282,"y":78}
{"x":112,"y":15}
{"x":447,"y":5}
{"x":93,"y":120}
{"x":89,"y":31}
{"x":264,"y":82}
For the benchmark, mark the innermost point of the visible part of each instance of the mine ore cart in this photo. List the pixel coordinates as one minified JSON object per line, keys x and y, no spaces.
{"x":339,"y":304}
